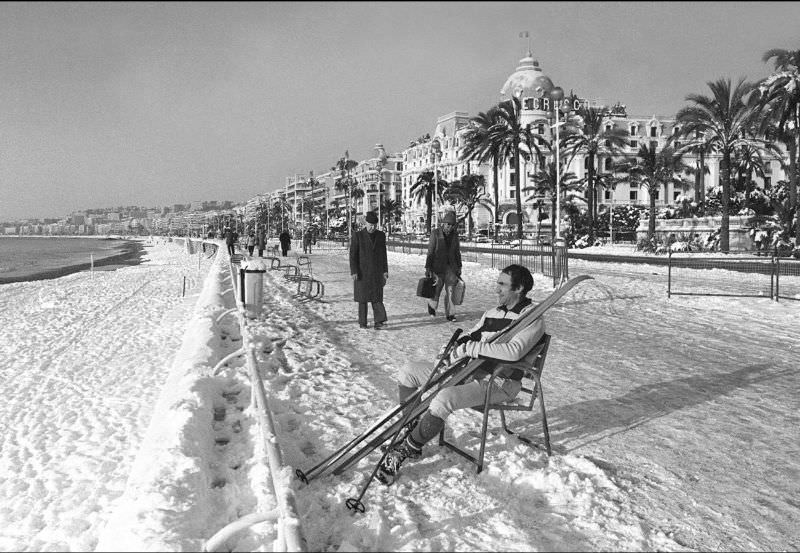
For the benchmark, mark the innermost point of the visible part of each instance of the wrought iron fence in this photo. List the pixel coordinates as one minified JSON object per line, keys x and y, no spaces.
{"x":787,"y":278}
{"x":742,"y":276}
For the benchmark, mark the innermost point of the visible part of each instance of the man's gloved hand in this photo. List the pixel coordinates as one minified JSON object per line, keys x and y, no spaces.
{"x":459,"y":352}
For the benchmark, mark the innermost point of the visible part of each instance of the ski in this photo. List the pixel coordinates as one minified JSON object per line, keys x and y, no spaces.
{"x":318,"y":469}
{"x":455,"y":375}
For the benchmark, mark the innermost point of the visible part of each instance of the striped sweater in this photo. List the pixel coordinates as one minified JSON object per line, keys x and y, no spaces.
{"x":511,"y":354}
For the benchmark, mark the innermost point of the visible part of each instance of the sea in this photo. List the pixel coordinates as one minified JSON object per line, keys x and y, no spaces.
{"x":31,"y":257}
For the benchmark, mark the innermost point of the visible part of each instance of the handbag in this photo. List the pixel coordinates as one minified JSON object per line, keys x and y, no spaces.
{"x":426,"y":287}
{"x":457,"y":295}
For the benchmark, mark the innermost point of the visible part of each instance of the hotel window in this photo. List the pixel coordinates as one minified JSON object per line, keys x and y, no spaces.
{"x":608,"y":128}
{"x":675,"y":195}
{"x":767,"y":182}
{"x":653,"y":132}
{"x":607,"y":194}
{"x":540,"y":129}
{"x":633,"y":130}
{"x":513,"y":193}
{"x":608,"y":143}
{"x":653,"y":144}
{"x":634,"y":195}
{"x":608,"y":164}
{"x":634,"y":143}
{"x":657,"y":194}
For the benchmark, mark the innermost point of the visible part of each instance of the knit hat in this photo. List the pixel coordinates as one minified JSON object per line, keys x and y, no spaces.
{"x":371,"y":217}
{"x":449,"y":217}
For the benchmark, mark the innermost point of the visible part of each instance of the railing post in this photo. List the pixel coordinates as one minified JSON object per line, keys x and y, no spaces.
{"x":669,"y":272}
{"x":776,"y":273}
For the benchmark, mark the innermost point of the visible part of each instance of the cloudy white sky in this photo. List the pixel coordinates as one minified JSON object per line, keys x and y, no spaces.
{"x":107,"y":104}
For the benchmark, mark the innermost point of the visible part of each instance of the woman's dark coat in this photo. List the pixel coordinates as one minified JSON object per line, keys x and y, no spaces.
{"x":368,"y":261}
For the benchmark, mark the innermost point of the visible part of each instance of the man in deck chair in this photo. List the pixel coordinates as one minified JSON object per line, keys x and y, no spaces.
{"x":513,"y":284}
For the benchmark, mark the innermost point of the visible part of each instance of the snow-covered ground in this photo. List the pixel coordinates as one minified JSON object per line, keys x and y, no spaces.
{"x":674,"y":421}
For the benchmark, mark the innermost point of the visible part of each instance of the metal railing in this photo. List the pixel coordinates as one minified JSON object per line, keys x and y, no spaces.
{"x":739,"y":276}
{"x":551,"y":261}
{"x":289,"y":534}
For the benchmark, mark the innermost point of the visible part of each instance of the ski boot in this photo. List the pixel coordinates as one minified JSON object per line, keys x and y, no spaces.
{"x":387,"y":473}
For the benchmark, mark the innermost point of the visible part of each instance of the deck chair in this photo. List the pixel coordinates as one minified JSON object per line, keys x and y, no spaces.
{"x":533,"y":387}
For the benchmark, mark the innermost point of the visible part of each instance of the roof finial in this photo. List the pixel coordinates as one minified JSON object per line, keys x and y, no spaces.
{"x":526,"y":34}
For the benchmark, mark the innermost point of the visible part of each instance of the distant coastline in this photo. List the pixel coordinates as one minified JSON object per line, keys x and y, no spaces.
{"x":131,"y":252}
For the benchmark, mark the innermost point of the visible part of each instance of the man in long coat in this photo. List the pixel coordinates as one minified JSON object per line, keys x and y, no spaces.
{"x":369,"y":271}
{"x":286,"y":241}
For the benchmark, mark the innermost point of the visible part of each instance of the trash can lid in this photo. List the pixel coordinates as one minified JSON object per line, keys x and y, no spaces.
{"x":254,"y":266}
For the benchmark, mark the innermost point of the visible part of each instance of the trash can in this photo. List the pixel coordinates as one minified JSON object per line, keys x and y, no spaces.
{"x":252,"y":286}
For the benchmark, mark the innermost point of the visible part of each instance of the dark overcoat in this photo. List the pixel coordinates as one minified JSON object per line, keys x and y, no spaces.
{"x":286,"y":240}
{"x":440,"y":257}
{"x":368,"y":261}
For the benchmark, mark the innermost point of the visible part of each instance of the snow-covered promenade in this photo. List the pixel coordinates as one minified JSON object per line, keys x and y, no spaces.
{"x":674,"y":422}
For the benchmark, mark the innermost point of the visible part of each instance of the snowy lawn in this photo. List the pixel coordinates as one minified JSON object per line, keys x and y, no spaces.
{"x":674,"y":422}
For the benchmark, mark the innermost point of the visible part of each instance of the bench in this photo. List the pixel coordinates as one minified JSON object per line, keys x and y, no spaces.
{"x":533,"y":389}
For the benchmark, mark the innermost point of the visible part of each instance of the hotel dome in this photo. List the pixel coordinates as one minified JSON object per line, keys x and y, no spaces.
{"x":527,"y":81}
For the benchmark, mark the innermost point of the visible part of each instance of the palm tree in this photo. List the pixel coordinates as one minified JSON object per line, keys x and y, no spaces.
{"x":723,"y":121}
{"x":392,"y":210}
{"x":587,"y":135}
{"x":468,"y":191}
{"x":423,"y":190}
{"x":506,"y":135}
{"x":345,"y":183}
{"x":699,"y":148}
{"x":312,"y":182}
{"x":781,"y":100}
{"x":479,"y":147}
{"x":748,"y":160}
{"x":654,"y":170}
{"x":544,"y":183}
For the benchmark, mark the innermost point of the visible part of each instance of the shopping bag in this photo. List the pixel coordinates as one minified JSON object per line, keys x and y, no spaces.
{"x":426,"y":287}
{"x":459,"y":289}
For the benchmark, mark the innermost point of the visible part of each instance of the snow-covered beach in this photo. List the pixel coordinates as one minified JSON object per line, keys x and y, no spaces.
{"x":674,"y":421}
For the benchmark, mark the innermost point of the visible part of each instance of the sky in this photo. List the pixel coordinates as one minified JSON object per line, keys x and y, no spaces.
{"x":673,"y":422}
{"x":151,"y":104}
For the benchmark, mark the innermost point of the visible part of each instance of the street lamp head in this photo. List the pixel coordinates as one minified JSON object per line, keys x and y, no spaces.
{"x":557,"y":94}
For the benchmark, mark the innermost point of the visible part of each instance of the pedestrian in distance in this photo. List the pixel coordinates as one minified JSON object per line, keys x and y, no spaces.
{"x":369,"y":270}
{"x":251,"y":242}
{"x":444,"y":261}
{"x":513,"y":284}
{"x":307,"y":237}
{"x":230,"y":240}
{"x":261,"y":242}
{"x":286,"y":242}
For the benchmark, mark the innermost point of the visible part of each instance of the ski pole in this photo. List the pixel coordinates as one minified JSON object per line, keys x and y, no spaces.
{"x":355,"y":504}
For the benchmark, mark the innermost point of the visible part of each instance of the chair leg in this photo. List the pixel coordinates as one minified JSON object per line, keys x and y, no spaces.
{"x":545,"y":429}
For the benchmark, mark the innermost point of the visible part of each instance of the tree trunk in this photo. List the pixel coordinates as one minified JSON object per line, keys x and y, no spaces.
{"x":428,"y":207}
{"x":794,"y":176}
{"x":518,"y":194}
{"x":592,"y":202}
{"x":496,"y":217}
{"x":725,"y":175}
{"x":702,"y":188}
{"x":651,"y":224}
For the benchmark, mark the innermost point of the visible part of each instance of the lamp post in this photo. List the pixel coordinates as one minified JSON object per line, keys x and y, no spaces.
{"x":379,"y":167}
{"x":557,"y":96}
{"x":436,"y":152}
